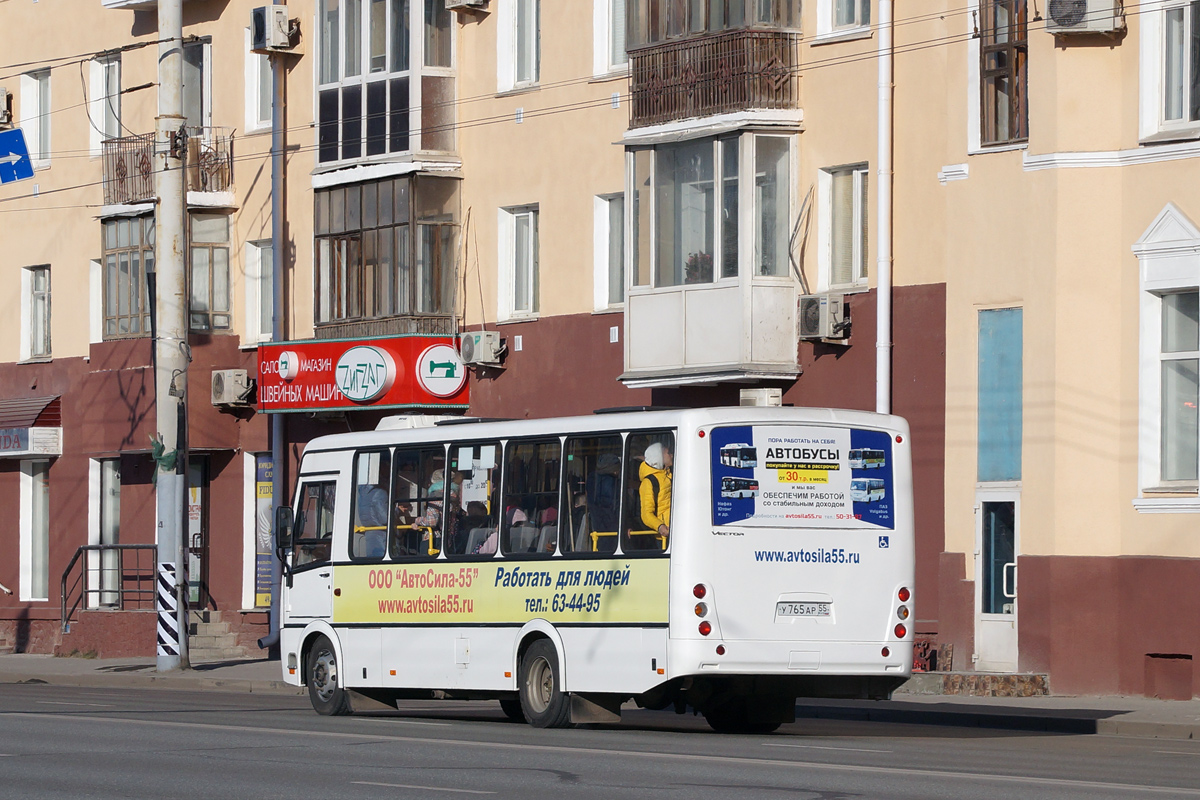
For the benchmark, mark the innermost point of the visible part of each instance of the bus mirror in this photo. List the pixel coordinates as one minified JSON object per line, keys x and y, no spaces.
{"x":283,"y":527}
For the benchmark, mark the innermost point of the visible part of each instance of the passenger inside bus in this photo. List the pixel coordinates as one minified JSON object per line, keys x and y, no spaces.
{"x":651,"y":528}
{"x":603,"y":492}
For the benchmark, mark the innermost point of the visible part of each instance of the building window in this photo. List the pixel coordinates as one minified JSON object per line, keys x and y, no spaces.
{"x":35,"y":115}
{"x":1179,"y":433}
{"x":696,"y":189}
{"x":1181,"y":64}
{"x":259,"y":281}
{"x":128,"y":256}
{"x":609,"y":251}
{"x":608,"y":37}
{"x":209,"y":307}
{"x":104,"y":105}
{"x":1000,"y":377}
{"x":1003,"y":72}
{"x":527,"y":55}
{"x":843,"y":227}
{"x":35,"y":530}
{"x":39,"y":317}
{"x":197,"y":82}
{"x":259,"y":89}
{"x":519,"y":261}
{"x":851,"y":13}
{"x":651,"y":21}
{"x":366,"y":78}
{"x":380,"y":254}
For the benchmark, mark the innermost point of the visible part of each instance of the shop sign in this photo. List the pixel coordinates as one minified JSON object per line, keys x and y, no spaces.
{"x":15,"y":442}
{"x":412,"y":371}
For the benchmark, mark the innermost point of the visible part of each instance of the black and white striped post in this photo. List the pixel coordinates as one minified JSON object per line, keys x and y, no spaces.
{"x":167,"y":605}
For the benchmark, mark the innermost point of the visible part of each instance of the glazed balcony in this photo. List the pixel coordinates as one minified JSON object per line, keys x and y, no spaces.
{"x":720,"y":73}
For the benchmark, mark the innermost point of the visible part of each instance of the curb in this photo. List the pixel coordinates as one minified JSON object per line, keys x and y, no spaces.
{"x":177,"y":682}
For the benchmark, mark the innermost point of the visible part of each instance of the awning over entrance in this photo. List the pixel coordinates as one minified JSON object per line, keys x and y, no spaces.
{"x":31,"y":412}
{"x":30,"y":427}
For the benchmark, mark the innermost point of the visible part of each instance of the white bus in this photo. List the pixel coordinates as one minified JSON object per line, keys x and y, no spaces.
{"x":538,"y":563}
{"x":867,"y":490}
{"x":867,"y":458}
{"x":739,"y":455}
{"x":738,"y":487}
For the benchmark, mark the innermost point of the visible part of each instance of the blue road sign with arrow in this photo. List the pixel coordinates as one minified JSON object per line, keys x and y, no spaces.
{"x":15,"y":164}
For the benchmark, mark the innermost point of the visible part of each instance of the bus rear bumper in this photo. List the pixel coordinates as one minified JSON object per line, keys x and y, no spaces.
{"x":691,"y":657}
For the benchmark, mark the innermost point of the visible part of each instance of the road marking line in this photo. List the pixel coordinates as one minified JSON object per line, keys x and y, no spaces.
{"x":904,"y":772}
{"x":63,"y":703}
{"x":426,"y":788}
{"x":1177,"y":752}
{"x":820,"y":747}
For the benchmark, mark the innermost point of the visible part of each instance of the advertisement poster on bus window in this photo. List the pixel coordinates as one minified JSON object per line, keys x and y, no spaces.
{"x":802,"y":477}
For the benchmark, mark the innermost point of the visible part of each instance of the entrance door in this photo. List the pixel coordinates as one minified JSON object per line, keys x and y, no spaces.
{"x":197,"y":515}
{"x":311,"y":592}
{"x":110,"y":531}
{"x":996,"y":549}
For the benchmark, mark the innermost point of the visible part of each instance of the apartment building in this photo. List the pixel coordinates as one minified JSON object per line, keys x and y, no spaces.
{"x":636,"y":202}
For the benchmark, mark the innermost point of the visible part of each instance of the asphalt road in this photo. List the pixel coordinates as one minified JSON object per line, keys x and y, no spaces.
{"x":138,"y":743}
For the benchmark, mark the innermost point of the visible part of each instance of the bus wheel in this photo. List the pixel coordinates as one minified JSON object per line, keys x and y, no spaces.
{"x":511,"y":706}
{"x":733,"y":717}
{"x":327,"y":697}
{"x":543,"y":702}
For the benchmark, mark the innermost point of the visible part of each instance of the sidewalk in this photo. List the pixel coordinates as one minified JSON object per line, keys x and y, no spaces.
{"x":1120,"y":716}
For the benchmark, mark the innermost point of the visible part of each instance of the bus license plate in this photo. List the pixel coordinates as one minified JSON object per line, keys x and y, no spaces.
{"x":802,"y":609}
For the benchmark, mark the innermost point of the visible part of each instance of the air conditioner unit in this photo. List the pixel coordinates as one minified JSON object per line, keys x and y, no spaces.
{"x":1084,"y":16}
{"x":480,"y":348}
{"x":823,"y":316}
{"x":5,"y":108}
{"x":231,"y":387}
{"x":269,"y":29}
{"x":770,"y":396}
{"x":466,"y":5}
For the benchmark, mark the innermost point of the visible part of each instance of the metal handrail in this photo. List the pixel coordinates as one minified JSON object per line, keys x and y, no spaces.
{"x":82,"y":579}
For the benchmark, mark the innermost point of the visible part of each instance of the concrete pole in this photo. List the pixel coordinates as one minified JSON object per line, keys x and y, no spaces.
{"x":278,"y":332}
{"x":170,"y":344}
{"x":883,"y":184}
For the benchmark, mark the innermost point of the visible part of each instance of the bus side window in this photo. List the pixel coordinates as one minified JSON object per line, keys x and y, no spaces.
{"x":591,"y":498}
{"x":472,"y":505}
{"x":313,"y":537}
{"x":646,"y":516}
{"x":530,"y":520}
{"x":369,"y":519}
{"x":418,"y":492}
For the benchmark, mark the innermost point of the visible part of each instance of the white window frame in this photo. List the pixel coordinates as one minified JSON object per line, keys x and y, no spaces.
{"x":828,"y":29}
{"x":861,"y":264}
{"x":103,"y":73}
{"x":602,"y":252}
{"x":1168,"y":261}
{"x":35,"y":120}
{"x":95,"y":301}
{"x":27,"y":542}
{"x":254,"y":64}
{"x":506,"y":47}
{"x":507,"y":258}
{"x":1152,"y":51}
{"x":206,"y":82}
{"x":256,"y":271}
{"x":27,"y":314}
{"x":604,"y":33}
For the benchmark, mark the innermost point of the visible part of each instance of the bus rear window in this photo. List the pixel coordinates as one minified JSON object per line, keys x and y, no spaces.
{"x":781,"y":476}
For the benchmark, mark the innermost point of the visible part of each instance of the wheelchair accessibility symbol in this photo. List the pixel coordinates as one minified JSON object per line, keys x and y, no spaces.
{"x":883,"y":541}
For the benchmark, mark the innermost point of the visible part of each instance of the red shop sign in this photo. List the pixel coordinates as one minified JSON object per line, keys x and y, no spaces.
{"x":414,"y":371}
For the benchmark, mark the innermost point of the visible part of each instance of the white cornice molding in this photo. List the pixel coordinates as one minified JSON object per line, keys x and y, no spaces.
{"x":1167,"y":505}
{"x":1112,"y":158}
{"x":791,"y":120}
{"x":954,"y":172}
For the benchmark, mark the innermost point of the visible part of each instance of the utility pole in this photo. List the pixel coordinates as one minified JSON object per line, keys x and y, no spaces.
{"x":171,"y":354}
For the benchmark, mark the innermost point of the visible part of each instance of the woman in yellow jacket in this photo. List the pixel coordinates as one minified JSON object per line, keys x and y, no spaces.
{"x":655,"y":490}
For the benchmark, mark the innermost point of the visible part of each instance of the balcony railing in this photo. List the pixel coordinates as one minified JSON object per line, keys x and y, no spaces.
{"x":716,"y":74}
{"x":128,"y":169}
{"x":129,"y":165}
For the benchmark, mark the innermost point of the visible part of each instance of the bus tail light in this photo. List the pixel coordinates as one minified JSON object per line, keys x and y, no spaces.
{"x":901,"y":631}
{"x":720,"y":649}
{"x":902,"y":612}
{"x":705,"y":628}
{"x":699,"y":590}
{"x":885,"y":652}
{"x":701,"y":609}
{"x":903,"y":594}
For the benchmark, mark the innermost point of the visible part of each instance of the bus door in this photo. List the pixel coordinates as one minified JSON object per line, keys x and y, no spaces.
{"x":311,"y":593}
{"x":996,"y":548}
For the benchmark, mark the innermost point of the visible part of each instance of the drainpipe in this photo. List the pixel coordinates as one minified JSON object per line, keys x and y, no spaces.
{"x":278,"y":446}
{"x":883,"y":289}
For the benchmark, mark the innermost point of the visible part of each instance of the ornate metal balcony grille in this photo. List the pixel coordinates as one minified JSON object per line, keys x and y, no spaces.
{"x":128,"y":169}
{"x":717,"y":74}
{"x":210,"y":159}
